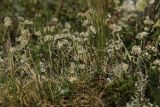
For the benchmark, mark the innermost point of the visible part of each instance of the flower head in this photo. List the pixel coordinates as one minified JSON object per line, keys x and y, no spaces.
{"x":136,"y":50}
{"x":141,"y":35}
{"x":7,"y":21}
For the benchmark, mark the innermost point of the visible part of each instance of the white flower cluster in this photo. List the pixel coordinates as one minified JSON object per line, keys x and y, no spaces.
{"x":148,"y":21}
{"x":7,"y":21}
{"x":136,"y":50}
{"x":151,"y":48}
{"x":63,"y":43}
{"x":156,"y":62}
{"x":112,"y":46}
{"x":48,"y":38}
{"x":24,"y":38}
{"x":129,"y":6}
{"x":141,"y":35}
{"x":48,"y":29}
{"x":92,"y":29}
{"x":115,"y":28}
{"x":119,"y":69}
{"x":72,"y":79}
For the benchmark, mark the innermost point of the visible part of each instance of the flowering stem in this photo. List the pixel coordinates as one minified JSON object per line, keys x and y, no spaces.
{"x":129,"y":56}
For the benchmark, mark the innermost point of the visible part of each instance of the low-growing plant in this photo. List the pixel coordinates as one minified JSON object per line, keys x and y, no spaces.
{"x":100,"y":53}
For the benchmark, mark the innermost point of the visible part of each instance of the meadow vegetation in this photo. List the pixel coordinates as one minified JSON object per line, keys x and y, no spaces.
{"x":79,"y":53}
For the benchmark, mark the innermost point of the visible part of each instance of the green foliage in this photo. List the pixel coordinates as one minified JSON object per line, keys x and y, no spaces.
{"x":120,"y":92}
{"x":152,"y":90}
{"x":100,"y":9}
